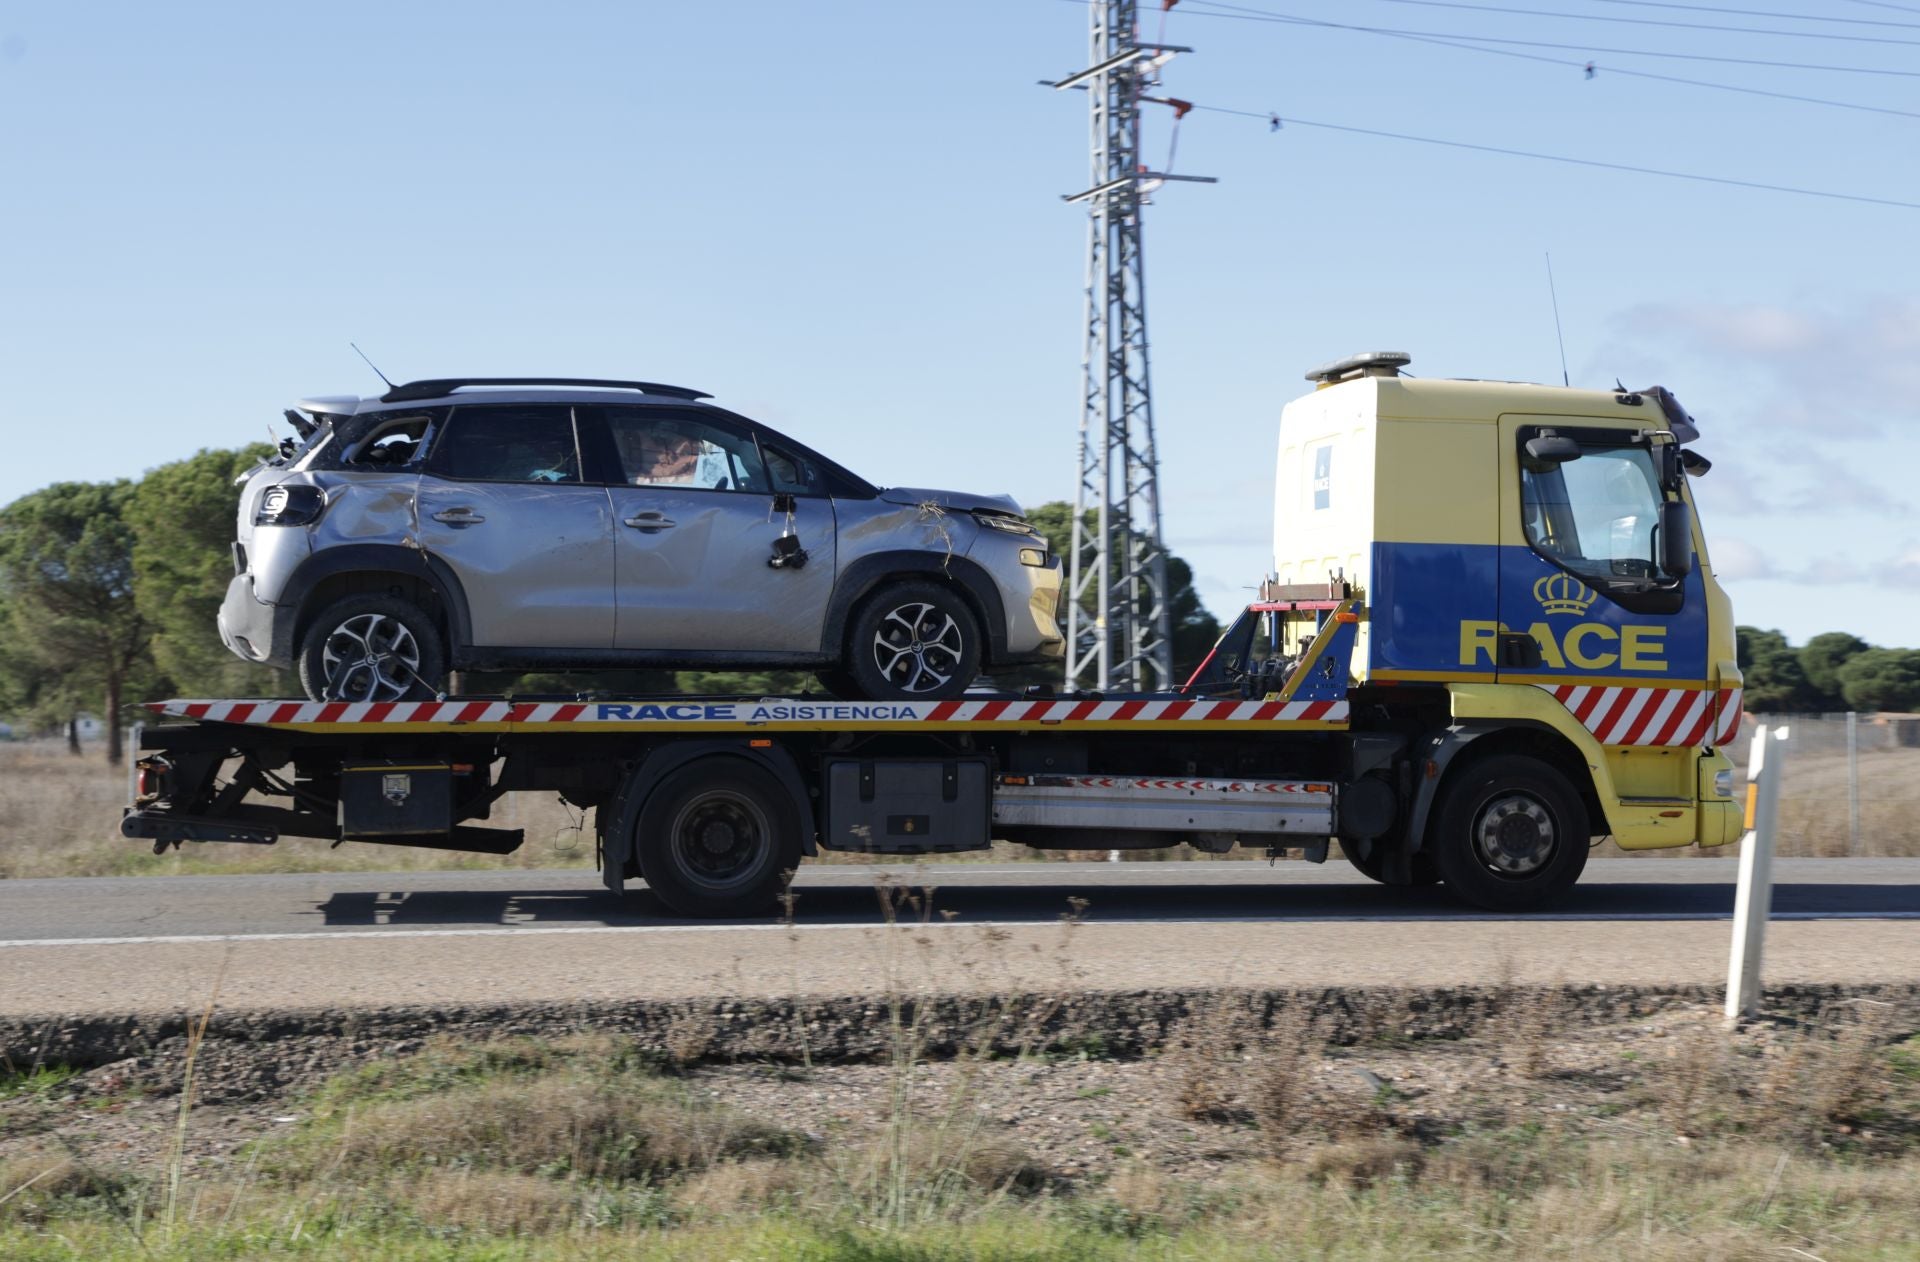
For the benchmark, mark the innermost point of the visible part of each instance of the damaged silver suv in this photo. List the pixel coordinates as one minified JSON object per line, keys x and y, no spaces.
{"x":561,"y":523}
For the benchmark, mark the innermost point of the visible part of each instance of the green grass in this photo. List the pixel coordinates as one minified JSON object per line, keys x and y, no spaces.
{"x":40,"y":1080}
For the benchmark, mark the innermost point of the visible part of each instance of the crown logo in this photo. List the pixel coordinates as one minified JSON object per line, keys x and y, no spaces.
{"x":1563,"y":593}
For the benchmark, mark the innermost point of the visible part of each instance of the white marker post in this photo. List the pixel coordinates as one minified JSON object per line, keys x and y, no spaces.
{"x":1753,"y":902}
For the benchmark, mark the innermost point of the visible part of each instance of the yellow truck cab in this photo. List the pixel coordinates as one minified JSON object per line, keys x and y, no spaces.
{"x":1530,"y":558}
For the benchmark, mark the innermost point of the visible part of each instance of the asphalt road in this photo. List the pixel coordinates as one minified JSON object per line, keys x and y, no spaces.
{"x":346,"y":939}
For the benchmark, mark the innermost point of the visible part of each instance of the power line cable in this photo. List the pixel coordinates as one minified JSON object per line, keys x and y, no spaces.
{"x":1684,"y":26}
{"x":1280,"y":121}
{"x":1765,"y":13}
{"x":1261,"y":15}
{"x":1882,"y":4}
{"x":1464,"y":44}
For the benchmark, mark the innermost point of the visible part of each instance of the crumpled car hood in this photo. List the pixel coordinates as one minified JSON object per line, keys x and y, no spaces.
{"x":952,"y":501}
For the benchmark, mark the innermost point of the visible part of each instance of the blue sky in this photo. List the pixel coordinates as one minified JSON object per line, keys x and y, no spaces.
{"x":844,"y":218}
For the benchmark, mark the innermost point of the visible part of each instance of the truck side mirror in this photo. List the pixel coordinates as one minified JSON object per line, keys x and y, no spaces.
{"x":1676,"y":539}
{"x":1552,"y":449}
{"x":1671,"y":476}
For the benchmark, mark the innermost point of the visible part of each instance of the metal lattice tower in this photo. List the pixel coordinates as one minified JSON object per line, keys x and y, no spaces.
{"x":1118,"y":632}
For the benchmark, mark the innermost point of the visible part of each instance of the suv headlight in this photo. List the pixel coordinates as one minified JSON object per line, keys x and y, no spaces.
{"x":296,"y":505}
{"x":1009,"y":525}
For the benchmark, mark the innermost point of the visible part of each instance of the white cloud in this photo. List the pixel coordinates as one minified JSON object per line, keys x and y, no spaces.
{"x":1735,"y":560}
{"x":1849,"y":369}
{"x":1904,"y":569}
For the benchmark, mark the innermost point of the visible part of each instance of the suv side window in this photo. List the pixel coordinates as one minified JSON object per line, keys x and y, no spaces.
{"x":791,"y":473}
{"x":659,"y":448}
{"x":514,"y":443}
{"x":391,"y":443}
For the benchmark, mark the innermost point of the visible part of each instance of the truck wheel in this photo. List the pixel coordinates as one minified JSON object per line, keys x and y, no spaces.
{"x":913,"y":642}
{"x":1511,"y":834}
{"x":1373,"y":867}
{"x":717,"y":838}
{"x":372,"y":648}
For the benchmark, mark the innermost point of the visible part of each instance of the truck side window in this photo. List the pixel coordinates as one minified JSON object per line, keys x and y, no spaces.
{"x":1595,"y":515}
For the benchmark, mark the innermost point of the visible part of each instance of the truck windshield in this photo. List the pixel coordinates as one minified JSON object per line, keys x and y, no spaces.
{"x":1595,"y":516}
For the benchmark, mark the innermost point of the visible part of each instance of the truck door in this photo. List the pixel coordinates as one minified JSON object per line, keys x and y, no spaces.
{"x":1585,"y":608}
{"x":697,"y":507}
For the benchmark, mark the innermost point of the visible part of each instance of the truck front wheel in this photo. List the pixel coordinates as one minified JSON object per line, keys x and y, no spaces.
{"x":1511,"y":834}
{"x":717,"y":838}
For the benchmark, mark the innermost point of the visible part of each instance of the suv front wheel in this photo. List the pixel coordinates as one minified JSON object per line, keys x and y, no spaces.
{"x":913,"y":642}
{"x":372,"y":648}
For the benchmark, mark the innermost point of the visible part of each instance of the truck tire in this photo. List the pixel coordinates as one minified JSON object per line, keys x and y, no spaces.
{"x":372,"y":648}
{"x":1373,"y":867}
{"x":1511,"y":834}
{"x":913,"y":642}
{"x":718,"y":837}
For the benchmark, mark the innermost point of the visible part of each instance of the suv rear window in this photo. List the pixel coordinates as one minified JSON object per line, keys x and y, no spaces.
{"x":508,"y":444}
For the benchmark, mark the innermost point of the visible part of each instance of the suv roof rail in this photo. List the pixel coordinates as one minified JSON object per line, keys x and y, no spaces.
{"x":434,"y":387}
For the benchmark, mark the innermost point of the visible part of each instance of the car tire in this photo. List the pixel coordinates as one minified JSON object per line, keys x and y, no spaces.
{"x":913,"y":642}
{"x":1511,"y":834}
{"x":1373,"y":867}
{"x":718,"y":837}
{"x":372,"y":648}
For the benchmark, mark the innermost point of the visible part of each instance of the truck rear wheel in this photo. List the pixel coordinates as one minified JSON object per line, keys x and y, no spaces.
{"x":1511,"y":834}
{"x":718,"y":838}
{"x":1373,"y":867}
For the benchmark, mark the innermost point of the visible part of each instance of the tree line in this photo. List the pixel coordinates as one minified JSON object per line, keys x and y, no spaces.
{"x":1831,"y":672}
{"x":109,"y":592}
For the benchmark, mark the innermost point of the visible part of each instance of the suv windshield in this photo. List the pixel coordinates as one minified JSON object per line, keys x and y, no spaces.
{"x":1595,"y":516}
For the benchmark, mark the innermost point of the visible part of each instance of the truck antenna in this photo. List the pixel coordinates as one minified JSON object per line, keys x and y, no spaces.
{"x":376,"y":371}
{"x":1565,"y":380}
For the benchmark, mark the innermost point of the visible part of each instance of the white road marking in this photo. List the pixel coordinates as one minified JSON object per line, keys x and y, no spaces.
{"x":916,"y":926}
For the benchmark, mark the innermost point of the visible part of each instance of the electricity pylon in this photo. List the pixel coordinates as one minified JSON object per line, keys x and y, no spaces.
{"x":1118,"y":631}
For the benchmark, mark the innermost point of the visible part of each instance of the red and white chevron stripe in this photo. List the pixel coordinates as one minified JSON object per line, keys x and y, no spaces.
{"x":770,"y":711}
{"x":277,"y":713}
{"x":1070,"y":711}
{"x":1729,"y":724}
{"x":1678,"y":717}
{"x":1192,"y":786}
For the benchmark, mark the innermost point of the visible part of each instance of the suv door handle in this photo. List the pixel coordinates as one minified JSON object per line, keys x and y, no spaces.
{"x":462,"y":516}
{"x":649,"y":522}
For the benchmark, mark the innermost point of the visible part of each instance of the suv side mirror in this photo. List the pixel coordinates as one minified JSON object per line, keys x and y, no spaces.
{"x":1552,"y":449}
{"x":1676,"y":539}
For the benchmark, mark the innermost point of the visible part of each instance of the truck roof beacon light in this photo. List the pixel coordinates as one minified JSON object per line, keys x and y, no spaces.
{"x":1365,"y":364}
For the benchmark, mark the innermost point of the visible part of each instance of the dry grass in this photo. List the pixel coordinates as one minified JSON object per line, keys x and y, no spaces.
{"x":584,"y":1108}
{"x":60,"y":816}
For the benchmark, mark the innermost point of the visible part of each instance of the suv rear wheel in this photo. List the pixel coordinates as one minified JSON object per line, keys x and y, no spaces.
{"x":372,"y":648}
{"x":913,"y":642}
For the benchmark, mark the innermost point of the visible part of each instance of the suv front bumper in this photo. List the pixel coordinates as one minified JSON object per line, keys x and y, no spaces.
{"x":253,"y":629}
{"x":1033,"y":623}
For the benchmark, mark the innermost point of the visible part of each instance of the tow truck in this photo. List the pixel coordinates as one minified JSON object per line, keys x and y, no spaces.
{"x":1490,"y":640}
